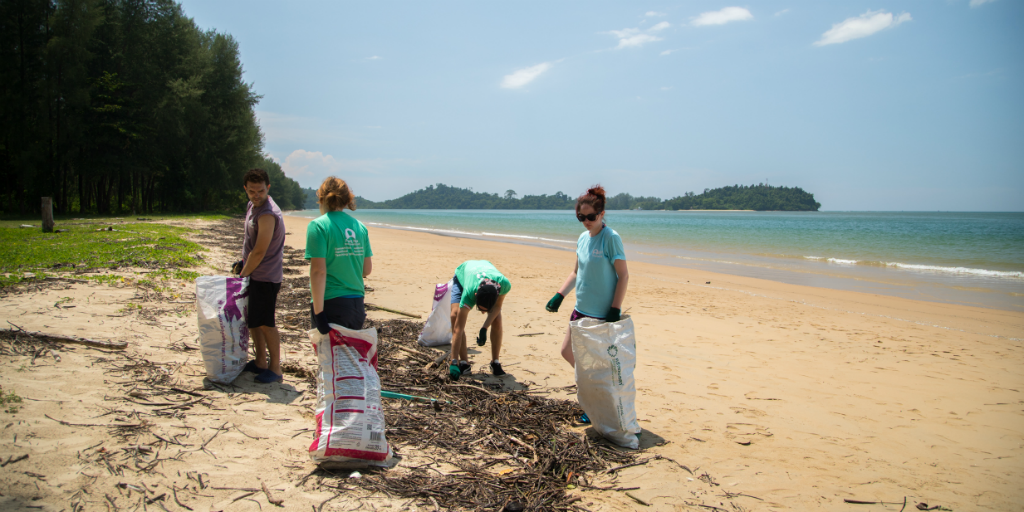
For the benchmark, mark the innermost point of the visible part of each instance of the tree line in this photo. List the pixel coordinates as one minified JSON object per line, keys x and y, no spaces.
{"x":759,"y":197}
{"x":117,"y":106}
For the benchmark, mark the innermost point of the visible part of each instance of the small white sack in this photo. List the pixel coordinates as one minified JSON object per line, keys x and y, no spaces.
{"x":349,"y":416}
{"x":222,"y":305}
{"x":605,"y":355}
{"x":438,"y":328}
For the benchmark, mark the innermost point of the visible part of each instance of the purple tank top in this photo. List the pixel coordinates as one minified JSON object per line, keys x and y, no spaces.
{"x":271,"y":269}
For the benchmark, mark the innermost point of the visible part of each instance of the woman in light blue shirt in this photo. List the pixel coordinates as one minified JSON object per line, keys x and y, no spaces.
{"x":600,"y":276}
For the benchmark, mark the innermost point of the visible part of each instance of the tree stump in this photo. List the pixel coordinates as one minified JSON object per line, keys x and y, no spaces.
{"x":47,"y":215}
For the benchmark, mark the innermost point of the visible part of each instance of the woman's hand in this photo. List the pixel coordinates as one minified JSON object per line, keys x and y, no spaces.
{"x":614,"y":315}
{"x":322,"y":324}
{"x":554,"y":303}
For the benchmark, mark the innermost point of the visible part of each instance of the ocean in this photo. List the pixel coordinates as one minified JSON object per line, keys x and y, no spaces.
{"x":975,"y":259}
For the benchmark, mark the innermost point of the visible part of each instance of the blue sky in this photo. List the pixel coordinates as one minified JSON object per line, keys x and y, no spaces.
{"x":881,"y":105}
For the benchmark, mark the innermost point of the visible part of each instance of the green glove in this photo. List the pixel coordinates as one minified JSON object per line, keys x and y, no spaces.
{"x":614,"y":315}
{"x":554,"y":303}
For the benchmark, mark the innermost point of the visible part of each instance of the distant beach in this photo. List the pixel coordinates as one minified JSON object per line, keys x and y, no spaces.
{"x":959,"y":258}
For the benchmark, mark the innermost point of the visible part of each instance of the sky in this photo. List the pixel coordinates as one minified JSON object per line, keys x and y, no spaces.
{"x":876,"y":106}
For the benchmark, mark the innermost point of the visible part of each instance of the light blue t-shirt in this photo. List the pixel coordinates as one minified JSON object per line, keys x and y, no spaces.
{"x":596,"y":278}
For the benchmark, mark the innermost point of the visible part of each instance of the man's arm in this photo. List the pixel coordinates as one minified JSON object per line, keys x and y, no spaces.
{"x":367,"y":266}
{"x":267,"y":224}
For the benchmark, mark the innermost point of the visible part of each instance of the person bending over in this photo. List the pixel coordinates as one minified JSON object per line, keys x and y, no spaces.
{"x":600,"y":276}
{"x":477,"y":283}
{"x":338,"y":250}
{"x":263,"y":263}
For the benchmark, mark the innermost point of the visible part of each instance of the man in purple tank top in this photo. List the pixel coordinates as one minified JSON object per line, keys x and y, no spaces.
{"x":263,"y":264}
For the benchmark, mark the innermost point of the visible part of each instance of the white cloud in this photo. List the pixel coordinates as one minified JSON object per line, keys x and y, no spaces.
{"x":311,"y":167}
{"x":634,"y":37}
{"x":722,"y":17}
{"x":666,"y":88}
{"x":978,"y":3}
{"x":308,"y":164}
{"x":651,"y":14}
{"x":375,"y":57}
{"x":864,"y":25}
{"x":524,"y":76}
{"x":670,"y":52}
{"x":780,"y":13}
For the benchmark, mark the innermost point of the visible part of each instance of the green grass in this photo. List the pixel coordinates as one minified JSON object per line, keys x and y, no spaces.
{"x":7,"y":399}
{"x":14,"y":221}
{"x":25,"y":251}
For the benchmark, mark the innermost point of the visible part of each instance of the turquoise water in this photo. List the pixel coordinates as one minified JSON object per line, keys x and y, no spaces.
{"x":966,"y":258}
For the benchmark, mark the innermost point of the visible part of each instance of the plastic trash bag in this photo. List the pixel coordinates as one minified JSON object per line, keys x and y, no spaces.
{"x":349,"y":416}
{"x":438,"y":328}
{"x":222,"y":305}
{"x":605,"y":355}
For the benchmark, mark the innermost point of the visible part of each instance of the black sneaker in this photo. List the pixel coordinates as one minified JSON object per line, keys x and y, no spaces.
{"x":496,"y":368}
{"x":465,"y":368}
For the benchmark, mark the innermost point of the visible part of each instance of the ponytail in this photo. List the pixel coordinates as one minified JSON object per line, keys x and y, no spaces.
{"x":335,"y":195}
{"x":594,"y":196}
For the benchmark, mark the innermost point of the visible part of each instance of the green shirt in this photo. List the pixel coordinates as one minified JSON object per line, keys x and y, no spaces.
{"x":343,"y":242}
{"x":471,"y":272}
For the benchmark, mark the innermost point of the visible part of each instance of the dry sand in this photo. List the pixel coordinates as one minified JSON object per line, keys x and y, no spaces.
{"x":786,"y":397}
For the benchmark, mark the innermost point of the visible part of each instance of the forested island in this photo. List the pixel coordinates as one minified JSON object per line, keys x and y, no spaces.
{"x":114,"y":107}
{"x":759,"y":197}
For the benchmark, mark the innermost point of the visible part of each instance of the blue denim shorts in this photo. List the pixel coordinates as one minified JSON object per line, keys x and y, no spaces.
{"x":456,"y":290}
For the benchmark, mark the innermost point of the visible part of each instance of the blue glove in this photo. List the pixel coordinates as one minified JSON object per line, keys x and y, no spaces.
{"x":614,"y":315}
{"x":554,"y":303}
{"x":322,"y":324}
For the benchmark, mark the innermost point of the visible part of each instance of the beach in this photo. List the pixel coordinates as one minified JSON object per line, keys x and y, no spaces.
{"x":800,"y":396}
{"x":774,"y":396}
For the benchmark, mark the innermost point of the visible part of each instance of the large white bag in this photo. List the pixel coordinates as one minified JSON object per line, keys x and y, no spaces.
{"x":349,"y":417}
{"x":605,"y":355}
{"x":438,"y":328}
{"x":222,"y":305}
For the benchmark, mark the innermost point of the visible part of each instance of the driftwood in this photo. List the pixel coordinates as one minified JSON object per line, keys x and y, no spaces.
{"x":397,"y":312}
{"x":110,"y":345}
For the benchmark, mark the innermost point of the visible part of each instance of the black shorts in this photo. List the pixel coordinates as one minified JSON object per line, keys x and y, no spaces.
{"x":262,"y":304}
{"x":349,"y":313}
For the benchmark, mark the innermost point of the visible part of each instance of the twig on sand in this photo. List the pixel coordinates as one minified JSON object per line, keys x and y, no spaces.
{"x":118,"y":345}
{"x":638,"y":500}
{"x":174,"y":491}
{"x":389,"y":310}
{"x":109,"y":425}
{"x":529,"y":334}
{"x":860,"y":502}
{"x":624,"y":466}
{"x":270,"y":497}
{"x":12,"y":459}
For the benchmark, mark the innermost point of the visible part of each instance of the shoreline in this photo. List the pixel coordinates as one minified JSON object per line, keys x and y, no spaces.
{"x":968,"y":287}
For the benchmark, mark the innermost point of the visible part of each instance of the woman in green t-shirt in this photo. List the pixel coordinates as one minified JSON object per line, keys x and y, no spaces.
{"x":338,"y":250}
{"x":477,"y":283}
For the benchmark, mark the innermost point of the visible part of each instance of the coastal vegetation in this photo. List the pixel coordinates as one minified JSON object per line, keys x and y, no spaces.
{"x":88,"y":245}
{"x":737,"y":197}
{"x":117,"y":106}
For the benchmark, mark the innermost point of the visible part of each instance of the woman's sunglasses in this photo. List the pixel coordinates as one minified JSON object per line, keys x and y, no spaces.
{"x":590,"y":216}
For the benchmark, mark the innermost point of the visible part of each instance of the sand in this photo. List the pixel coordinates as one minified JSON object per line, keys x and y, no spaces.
{"x":786,"y":397}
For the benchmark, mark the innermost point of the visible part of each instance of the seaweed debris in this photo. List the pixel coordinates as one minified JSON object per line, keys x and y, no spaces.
{"x":490,"y":449}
